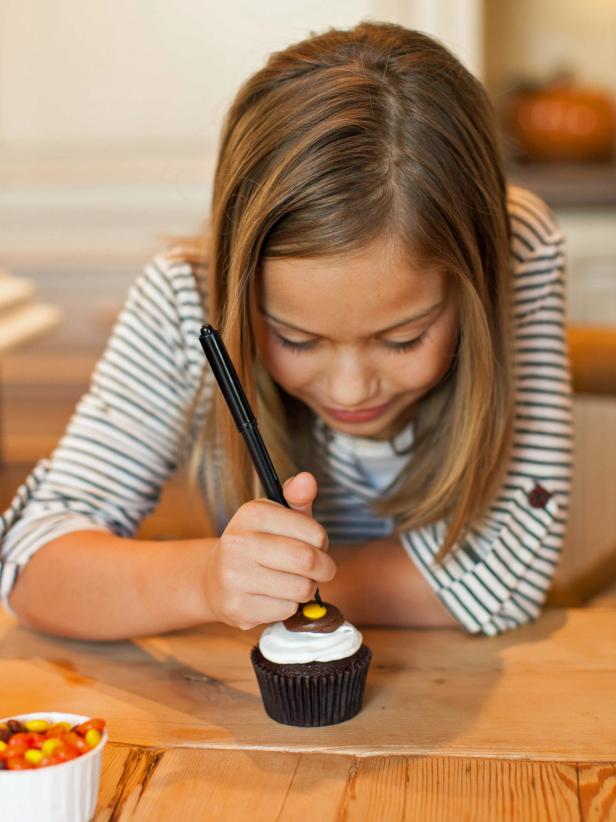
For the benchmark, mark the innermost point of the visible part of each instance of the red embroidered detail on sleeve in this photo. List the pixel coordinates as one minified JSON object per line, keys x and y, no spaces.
{"x":539,"y":496}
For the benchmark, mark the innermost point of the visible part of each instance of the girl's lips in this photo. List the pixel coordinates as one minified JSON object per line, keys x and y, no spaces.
{"x":361,"y":415}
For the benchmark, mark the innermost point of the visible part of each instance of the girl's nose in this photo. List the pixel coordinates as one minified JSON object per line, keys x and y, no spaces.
{"x":352,"y":383}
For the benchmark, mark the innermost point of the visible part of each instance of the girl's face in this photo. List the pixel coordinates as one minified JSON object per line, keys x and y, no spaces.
{"x":359,"y":338}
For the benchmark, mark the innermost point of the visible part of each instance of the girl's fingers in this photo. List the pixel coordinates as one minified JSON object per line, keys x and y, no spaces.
{"x":273,"y":518}
{"x":281,"y":586}
{"x":261,"y":609}
{"x":300,"y":491}
{"x":292,"y":556}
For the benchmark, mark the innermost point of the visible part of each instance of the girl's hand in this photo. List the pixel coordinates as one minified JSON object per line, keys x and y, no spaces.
{"x":268,"y":559}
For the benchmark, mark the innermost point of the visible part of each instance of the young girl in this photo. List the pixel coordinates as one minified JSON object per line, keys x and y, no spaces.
{"x":396,"y":316}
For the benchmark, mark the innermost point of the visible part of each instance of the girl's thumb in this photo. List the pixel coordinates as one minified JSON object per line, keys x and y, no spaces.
{"x":300,"y":491}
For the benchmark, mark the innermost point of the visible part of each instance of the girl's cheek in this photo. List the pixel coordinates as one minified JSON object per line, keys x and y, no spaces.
{"x":422,"y":369}
{"x":413,"y":375}
{"x":288,"y":369}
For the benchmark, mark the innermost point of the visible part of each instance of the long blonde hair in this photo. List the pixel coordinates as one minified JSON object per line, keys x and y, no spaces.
{"x":338,"y":139}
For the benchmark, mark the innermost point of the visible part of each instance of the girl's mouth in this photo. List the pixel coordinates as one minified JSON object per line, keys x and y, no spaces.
{"x":358,"y":415}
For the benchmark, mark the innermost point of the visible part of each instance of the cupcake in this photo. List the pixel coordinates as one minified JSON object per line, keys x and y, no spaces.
{"x":312,"y":667}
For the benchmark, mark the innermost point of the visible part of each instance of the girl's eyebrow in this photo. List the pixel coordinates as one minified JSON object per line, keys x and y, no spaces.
{"x":426,"y":312}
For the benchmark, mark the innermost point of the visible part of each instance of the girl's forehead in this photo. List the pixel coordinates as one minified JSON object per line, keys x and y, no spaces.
{"x":379,"y":283}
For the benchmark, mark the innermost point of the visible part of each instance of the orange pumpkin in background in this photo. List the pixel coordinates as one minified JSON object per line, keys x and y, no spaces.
{"x":563,"y":122}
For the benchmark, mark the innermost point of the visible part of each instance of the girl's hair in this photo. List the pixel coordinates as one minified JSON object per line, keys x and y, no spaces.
{"x":337,"y":140}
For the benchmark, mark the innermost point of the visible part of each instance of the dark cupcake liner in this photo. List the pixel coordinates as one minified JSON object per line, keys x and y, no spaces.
{"x":323,"y":693}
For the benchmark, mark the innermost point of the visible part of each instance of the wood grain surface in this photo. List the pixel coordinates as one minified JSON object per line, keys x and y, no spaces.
{"x":543,"y":692}
{"x":143,"y":784}
{"x":520,"y":727}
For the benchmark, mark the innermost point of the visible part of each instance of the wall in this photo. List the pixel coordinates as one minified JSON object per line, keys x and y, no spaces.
{"x":535,"y":38}
{"x":110,"y":111}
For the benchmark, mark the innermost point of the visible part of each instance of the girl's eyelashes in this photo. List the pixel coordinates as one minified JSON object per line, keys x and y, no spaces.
{"x":407,"y":345}
{"x":396,"y":347}
{"x":294,"y":346}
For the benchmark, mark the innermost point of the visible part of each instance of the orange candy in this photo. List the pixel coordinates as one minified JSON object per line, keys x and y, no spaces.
{"x":56,"y":730}
{"x":18,"y":763}
{"x":29,"y":739}
{"x":66,"y":751}
{"x":97,"y":724}
{"x":14,"y":751}
{"x":76,"y":741}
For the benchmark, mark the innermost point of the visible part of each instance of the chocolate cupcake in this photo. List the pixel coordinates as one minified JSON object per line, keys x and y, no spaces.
{"x":312,"y":667}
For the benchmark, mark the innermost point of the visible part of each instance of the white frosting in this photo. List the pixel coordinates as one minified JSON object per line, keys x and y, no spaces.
{"x":285,"y":647}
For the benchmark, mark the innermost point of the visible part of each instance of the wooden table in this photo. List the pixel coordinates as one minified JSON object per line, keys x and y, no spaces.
{"x":519,"y":727}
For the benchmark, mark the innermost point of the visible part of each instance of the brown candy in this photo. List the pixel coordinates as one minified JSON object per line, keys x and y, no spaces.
{"x":327,"y":624}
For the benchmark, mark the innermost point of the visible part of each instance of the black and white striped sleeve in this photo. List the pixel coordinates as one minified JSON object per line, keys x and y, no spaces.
{"x":498,"y":578}
{"x":128,"y":432}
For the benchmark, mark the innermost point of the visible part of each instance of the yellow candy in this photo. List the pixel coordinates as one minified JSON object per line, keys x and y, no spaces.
{"x":33,"y":756}
{"x":49,"y":745}
{"x":2,"y":746}
{"x":36,"y":725}
{"x":93,"y":737}
{"x":313,"y":610}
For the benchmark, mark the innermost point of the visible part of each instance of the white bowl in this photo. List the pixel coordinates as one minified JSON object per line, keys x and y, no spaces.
{"x":59,"y":793}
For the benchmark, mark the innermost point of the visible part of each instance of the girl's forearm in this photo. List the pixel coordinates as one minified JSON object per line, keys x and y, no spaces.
{"x":377,"y":584}
{"x":94,"y":585}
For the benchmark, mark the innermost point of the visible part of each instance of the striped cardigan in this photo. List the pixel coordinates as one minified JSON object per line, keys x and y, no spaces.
{"x":151,"y":391}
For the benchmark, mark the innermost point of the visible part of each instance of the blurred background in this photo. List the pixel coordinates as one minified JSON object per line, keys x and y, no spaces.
{"x":109,"y":121}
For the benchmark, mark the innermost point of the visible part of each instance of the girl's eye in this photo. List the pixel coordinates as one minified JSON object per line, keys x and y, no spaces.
{"x":295,"y":346}
{"x":396,"y":347}
{"x":400,"y":347}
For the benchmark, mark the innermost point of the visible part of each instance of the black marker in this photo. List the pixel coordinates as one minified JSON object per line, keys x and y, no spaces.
{"x":243,"y":416}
